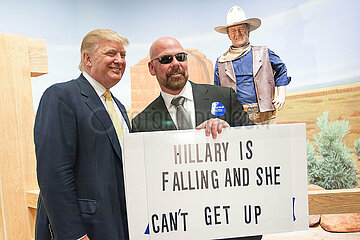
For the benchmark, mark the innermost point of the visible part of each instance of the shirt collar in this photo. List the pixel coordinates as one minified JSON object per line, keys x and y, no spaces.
{"x":241,"y":46}
{"x":99,"y":89}
{"x":186,"y":92}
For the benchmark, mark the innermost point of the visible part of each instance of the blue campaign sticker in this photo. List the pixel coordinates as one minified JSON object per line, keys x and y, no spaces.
{"x":218,"y":109}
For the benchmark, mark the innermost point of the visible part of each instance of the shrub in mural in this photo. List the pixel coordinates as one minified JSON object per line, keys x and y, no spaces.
{"x":357,"y":147}
{"x":330,"y":163}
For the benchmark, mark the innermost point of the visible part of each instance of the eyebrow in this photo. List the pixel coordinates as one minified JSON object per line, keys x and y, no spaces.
{"x":239,"y":28}
{"x":113,"y":50}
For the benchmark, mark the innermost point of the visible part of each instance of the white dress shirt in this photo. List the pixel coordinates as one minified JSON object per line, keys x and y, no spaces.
{"x":189,"y":105}
{"x":100,"y":89}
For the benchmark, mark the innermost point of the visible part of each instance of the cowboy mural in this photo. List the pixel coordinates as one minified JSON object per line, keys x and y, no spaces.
{"x":252,"y":71}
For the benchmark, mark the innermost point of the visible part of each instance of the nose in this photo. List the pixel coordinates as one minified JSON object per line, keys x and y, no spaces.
{"x":118,"y":58}
{"x":175,"y":63}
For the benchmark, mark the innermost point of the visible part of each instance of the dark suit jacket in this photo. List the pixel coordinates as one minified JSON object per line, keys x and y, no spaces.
{"x":156,"y":117}
{"x":79,"y":166}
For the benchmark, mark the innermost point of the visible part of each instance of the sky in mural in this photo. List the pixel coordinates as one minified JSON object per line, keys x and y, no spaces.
{"x":317,"y":39}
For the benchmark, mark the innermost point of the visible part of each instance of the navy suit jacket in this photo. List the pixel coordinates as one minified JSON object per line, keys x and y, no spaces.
{"x":156,"y":117}
{"x":79,"y":166}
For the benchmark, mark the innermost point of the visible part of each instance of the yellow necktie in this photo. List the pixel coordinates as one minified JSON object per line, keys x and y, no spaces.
{"x":113,"y":115}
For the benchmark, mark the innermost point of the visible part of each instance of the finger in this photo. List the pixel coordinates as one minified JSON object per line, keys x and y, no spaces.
{"x":214,"y":128}
{"x":280,"y":106}
{"x":222,"y":125}
{"x":275,"y":105}
{"x":208,"y":127}
{"x":201,"y":125}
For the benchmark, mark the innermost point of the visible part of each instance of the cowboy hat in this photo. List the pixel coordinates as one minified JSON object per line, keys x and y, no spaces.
{"x":237,"y":16}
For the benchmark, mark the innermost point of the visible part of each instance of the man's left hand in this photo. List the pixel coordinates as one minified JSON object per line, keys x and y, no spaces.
{"x":213,"y":126}
{"x":279,"y":102}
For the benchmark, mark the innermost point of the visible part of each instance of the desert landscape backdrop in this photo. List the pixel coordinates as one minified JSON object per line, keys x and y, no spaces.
{"x":342,"y":101}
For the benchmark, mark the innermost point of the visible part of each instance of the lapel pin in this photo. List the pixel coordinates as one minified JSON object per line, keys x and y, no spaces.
{"x":218,"y":109}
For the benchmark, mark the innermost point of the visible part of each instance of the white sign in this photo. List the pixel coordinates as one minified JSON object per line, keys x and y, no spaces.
{"x":249,"y":181}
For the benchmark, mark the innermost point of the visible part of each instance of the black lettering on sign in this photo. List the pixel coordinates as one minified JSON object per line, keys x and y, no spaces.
{"x":248,"y":153}
{"x":215,"y":181}
{"x":164,"y":180}
{"x":268,"y":175}
{"x":195,"y":154}
{"x":169,"y":222}
{"x":216,"y":215}
{"x":236,"y":177}
{"x":189,"y":180}
{"x":156,"y":227}
{"x":251,"y":213}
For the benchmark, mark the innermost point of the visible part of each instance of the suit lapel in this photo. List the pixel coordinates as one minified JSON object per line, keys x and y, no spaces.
{"x":161,"y":116}
{"x":202,"y":103}
{"x":123,"y":112}
{"x":97,"y":107}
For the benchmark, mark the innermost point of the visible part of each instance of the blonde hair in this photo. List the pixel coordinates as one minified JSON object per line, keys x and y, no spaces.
{"x":93,"y":38}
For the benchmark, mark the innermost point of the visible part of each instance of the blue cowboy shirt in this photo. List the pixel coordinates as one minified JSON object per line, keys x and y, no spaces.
{"x":243,"y":68}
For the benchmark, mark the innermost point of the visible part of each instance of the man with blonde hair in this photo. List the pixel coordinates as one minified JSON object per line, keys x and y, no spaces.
{"x":78,"y":135}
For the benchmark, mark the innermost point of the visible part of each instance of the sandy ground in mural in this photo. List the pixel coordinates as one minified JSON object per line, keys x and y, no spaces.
{"x":342,"y":102}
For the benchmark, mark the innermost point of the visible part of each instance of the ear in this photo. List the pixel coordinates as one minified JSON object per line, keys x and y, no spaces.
{"x":87,"y":60}
{"x":151,"y":68}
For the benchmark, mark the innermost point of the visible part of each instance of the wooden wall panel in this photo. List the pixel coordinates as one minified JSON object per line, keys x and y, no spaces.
{"x":17,"y":158}
{"x":334,"y":201}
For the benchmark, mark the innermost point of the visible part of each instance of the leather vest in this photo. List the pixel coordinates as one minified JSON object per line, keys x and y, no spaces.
{"x":263,"y":77}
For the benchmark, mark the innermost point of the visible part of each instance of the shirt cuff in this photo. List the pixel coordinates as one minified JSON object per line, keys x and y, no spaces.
{"x":82,"y":237}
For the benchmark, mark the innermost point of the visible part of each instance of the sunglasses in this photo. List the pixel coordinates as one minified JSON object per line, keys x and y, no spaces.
{"x":166,"y":59}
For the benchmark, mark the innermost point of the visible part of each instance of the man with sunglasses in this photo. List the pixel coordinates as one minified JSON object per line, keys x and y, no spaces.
{"x":205,"y":106}
{"x":210,"y":107}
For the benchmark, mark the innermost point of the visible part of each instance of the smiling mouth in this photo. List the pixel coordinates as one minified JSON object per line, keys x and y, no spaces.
{"x":176,"y":72}
{"x":115,"y":69}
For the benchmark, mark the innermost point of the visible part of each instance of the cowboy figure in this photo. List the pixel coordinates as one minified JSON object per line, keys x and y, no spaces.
{"x":252,"y":71}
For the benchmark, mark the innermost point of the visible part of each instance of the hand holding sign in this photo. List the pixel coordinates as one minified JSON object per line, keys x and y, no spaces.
{"x":213,"y":126}
{"x":184,"y":185}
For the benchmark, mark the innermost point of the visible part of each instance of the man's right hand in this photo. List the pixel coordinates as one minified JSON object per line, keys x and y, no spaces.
{"x":213,"y":126}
